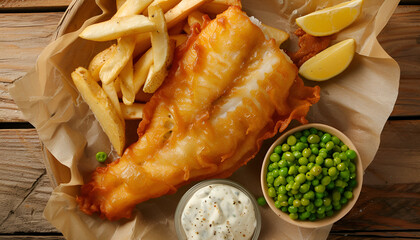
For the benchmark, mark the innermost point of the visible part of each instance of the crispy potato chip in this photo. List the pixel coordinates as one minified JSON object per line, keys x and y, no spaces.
{"x":132,"y":7}
{"x":99,"y":60}
{"x":134,"y":111}
{"x":219,"y":6}
{"x":179,"y":38}
{"x":116,"y":63}
{"x":104,"y":111}
{"x":118,"y":27}
{"x":141,"y":69}
{"x":127,"y":84}
{"x":181,"y":11}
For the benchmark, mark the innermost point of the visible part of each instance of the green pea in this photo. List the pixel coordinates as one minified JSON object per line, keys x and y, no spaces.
{"x":304,"y":215}
{"x":344,"y":148}
{"x":272,"y":192}
{"x":297,"y":154}
{"x":328,"y":163}
{"x":298,"y":134}
{"x":329,"y":207}
{"x":336,"y":196}
{"x":303,"y":169}
{"x":277,"y":181}
{"x":343,"y":201}
{"x":341,"y":167}
{"x":301,"y":209}
{"x":303,"y":139}
{"x":282,"y":197}
{"x":323,"y":154}
{"x":319,"y":160}
{"x":329,"y":145}
{"x":293,"y":209}
{"x":296,"y":186}
{"x":305,"y":201}
{"x":337,"y":207}
{"x":313,"y":130}
{"x":336,"y":149}
{"x":320,"y":188}
{"x":351,"y":154}
{"x":291,"y":140}
{"x":290,"y":200}
{"x":282,"y":163}
{"x":320,"y":215}
{"x":327,"y":201}
{"x":300,"y":178}
{"x":261,"y":201}
{"x":335,"y":140}
{"x":310,"y":207}
{"x":326,"y":138}
{"x":289,"y":156}
{"x":316,"y":170}
{"x":329,"y":213}
{"x":322,"y":144}
{"x":345,"y":175}
{"x":309,"y":195}
{"x":296,"y":203}
{"x":332,"y":171}
{"x":335,"y":155}
{"x":311,"y":159}
{"x":293,"y":148}
{"x":330,"y":186}
{"x":294,"y":216}
{"x":277,"y":149}
{"x":274,"y":157}
{"x":340,"y":189}
{"x":318,"y":202}
{"x":320,"y":133}
{"x":275,"y":173}
{"x":285,"y":147}
{"x":352,"y":167}
{"x":290,"y":179}
{"x":283,"y":171}
{"x":306,"y":152}
{"x":343,"y":156}
{"x":298,"y":196}
{"x":300,"y":146}
{"x":320,"y":210}
{"x":352,"y":183}
{"x":101,"y":156}
{"x":306,"y":133}
{"x":277,"y":204}
{"x":283,"y":209}
{"x":312,"y":217}
{"x":326,"y":180}
{"x":293,"y":170}
{"x":337,"y":161}
{"x":270,"y":179}
{"x":282,"y":189}
{"x":284,"y":204}
{"x":348,"y":194}
{"x":313,"y":138}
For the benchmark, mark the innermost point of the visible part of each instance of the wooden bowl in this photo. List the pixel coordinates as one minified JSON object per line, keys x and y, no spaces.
{"x":337,"y":215}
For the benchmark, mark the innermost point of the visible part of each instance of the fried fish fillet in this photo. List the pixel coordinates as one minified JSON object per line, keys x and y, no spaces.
{"x":229,"y":89}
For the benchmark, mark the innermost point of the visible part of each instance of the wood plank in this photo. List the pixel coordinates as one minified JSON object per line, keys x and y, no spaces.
{"x":401,"y":39}
{"x":25,"y":187}
{"x":33,"y":4}
{"x":22,"y":38}
{"x":24,"y":35}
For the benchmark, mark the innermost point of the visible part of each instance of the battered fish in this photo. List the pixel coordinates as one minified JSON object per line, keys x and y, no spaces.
{"x":229,"y":89}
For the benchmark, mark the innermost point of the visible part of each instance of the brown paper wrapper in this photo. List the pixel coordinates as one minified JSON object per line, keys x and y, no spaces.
{"x":358,"y":102}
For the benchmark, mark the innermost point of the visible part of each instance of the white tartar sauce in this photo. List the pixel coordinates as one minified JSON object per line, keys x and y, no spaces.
{"x":219,"y":211}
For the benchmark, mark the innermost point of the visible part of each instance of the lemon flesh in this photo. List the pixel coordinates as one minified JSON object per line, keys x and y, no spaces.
{"x":330,"y":20}
{"x":330,"y":62}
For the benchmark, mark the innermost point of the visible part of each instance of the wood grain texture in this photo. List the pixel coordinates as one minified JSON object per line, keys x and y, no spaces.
{"x":22,"y":38}
{"x":32,"y":4}
{"x":401,"y":39}
{"x":25,"y":187}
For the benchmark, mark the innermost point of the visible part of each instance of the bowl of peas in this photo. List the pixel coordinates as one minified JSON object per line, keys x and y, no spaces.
{"x":312,"y":175}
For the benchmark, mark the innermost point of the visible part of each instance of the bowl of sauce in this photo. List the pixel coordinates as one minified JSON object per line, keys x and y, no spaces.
{"x":217,"y":209}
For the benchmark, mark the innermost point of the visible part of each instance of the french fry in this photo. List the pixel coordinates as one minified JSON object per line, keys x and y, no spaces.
{"x":142,"y":44}
{"x":116,"y":63}
{"x":219,"y":6}
{"x":134,"y":111}
{"x":127,"y":84}
{"x":179,"y":38}
{"x":132,"y":7}
{"x":141,"y":69}
{"x":164,"y":4}
{"x":177,"y":28}
{"x":102,"y":108}
{"x":111,"y":92}
{"x":99,"y":60}
{"x":181,"y":11}
{"x":195,"y":17}
{"x":118,"y":27}
{"x":119,"y":3}
{"x":279,"y":35}
{"x":162,"y":50}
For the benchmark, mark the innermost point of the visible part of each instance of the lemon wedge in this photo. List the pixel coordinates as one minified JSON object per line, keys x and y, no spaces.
{"x":330,"y":20}
{"x":330,"y":62}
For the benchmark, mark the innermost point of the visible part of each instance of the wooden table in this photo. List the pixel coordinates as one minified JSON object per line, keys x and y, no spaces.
{"x":389,"y":205}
